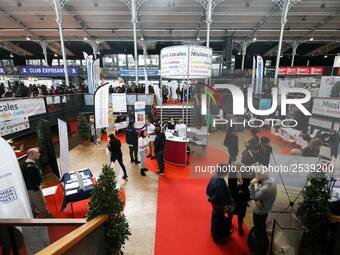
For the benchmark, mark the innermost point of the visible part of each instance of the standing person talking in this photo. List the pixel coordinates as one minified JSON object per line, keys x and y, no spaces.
{"x":132,"y":141}
{"x":33,"y":180}
{"x":143,"y":143}
{"x":159,"y":149}
{"x":114,"y":147}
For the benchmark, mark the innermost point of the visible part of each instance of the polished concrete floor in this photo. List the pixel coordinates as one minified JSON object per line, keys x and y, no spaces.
{"x":141,"y":192}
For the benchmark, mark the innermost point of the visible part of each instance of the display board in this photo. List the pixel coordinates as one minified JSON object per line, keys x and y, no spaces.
{"x":187,"y":61}
{"x":101,"y":107}
{"x":119,"y":102}
{"x":326,"y":85}
{"x":140,"y":111}
{"x":326,"y":107}
{"x":320,"y":123}
{"x":13,"y":109}
{"x":13,"y":126}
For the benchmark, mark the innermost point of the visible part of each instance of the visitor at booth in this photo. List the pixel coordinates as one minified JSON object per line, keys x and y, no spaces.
{"x":263,"y":191}
{"x":181,"y":129}
{"x":305,"y":135}
{"x":120,"y":118}
{"x":333,"y":143}
{"x":178,"y":93}
{"x":143,"y":143}
{"x":238,"y":183}
{"x":159,"y":149}
{"x":132,"y":142}
{"x":254,"y":140}
{"x":32,"y":177}
{"x":231,"y":142}
{"x":2,"y":89}
{"x":251,"y":155}
{"x":266,"y":150}
{"x":221,"y":201}
{"x":150,"y":128}
{"x":313,"y":149}
{"x":114,"y":147}
{"x":170,"y":124}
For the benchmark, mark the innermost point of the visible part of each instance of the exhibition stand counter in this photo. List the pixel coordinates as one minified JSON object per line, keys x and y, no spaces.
{"x":175,"y":149}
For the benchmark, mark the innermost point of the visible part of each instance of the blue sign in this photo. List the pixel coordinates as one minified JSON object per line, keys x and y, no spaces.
{"x":128,"y":72}
{"x":265,"y":103}
{"x":47,"y":70}
{"x":2,"y":70}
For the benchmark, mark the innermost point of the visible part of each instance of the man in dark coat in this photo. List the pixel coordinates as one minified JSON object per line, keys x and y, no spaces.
{"x":132,"y":141}
{"x":266,"y":150}
{"x":333,"y":143}
{"x":219,"y":196}
{"x":159,"y":144}
{"x":231,"y":142}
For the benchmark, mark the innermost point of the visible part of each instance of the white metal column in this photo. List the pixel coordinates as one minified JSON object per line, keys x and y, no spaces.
{"x":295,"y":45}
{"x":284,"y":5}
{"x":244,"y":46}
{"x":58,"y":6}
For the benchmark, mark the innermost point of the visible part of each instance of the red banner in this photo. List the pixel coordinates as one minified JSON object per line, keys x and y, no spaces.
{"x":302,"y":70}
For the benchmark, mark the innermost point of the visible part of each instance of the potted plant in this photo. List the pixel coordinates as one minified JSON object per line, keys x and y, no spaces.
{"x":313,"y":212}
{"x":105,"y":200}
{"x":83,"y":129}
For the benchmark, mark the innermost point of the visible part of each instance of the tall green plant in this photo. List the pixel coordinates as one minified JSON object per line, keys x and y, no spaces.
{"x":105,"y":200}
{"x":83,"y":128}
{"x":313,"y":214}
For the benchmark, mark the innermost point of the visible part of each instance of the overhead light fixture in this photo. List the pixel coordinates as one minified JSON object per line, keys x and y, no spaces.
{"x":85,"y":38}
{"x":95,"y":4}
{"x":11,"y":55}
{"x":170,"y":31}
{"x":56,"y":55}
{"x":254,"y":39}
{"x":239,"y":53}
{"x":311,"y":39}
{"x":198,"y":38}
{"x":19,"y":3}
{"x":113,"y":31}
{"x":323,"y":5}
{"x":325,"y":56}
{"x":281,"y":56}
{"x":142,"y":38}
{"x":27,"y":38}
{"x":247,"y":3}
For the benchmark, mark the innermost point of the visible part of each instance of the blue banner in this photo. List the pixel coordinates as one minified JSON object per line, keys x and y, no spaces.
{"x":2,"y":70}
{"x":47,"y":70}
{"x":130,"y":72}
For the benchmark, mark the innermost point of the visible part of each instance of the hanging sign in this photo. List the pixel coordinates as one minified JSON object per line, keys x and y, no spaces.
{"x":140,"y":111}
{"x":14,"y":202}
{"x":326,"y":107}
{"x":189,"y":61}
{"x":302,"y":70}
{"x":47,"y":70}
{"x":13,"y":126}
{"x":13,"y":109}
{"x":141,"y":72}
{"x":259,"y":75}
{"x":101,"y":106}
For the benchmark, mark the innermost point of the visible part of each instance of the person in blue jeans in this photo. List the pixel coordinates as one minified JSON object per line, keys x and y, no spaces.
{"x":159,"y":149}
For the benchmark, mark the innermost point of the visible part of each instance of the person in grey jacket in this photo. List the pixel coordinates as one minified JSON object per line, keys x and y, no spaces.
{"x":263,"y":192}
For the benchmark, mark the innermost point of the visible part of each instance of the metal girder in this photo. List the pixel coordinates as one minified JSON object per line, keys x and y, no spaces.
{"x":56,"y":48}
{"x":79,"y":20}
{"x":323,"y":49}
{"x":11,"y":47}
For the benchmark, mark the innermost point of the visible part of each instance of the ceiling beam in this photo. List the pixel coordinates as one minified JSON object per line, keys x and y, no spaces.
{"x":322,"y":50}
{"x":273,"y":51}
{"x":78,"y":19}
{"x":11,"y":47}
{"x":56,"y":48}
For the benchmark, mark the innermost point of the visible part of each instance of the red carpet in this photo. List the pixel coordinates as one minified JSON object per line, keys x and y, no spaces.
{"x":183,"y":221}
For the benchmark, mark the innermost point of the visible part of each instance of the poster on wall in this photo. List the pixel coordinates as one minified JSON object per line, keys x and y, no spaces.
{"x":119,"y":102}
{"x":101,"y":106}
{"x":13,"y":126}
{"x":139,"y":111}
{"x":14,"y":202}
{"x":13,"y":109}
{"x":63,"y":145}
{"x":326,"y":107}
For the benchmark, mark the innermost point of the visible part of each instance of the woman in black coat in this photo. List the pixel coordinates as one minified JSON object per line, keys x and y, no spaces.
{"x":116,"y":153}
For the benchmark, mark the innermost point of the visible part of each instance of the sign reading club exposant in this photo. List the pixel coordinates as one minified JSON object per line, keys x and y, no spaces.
{"x":47,"y":70}
{"x":186,"y":62}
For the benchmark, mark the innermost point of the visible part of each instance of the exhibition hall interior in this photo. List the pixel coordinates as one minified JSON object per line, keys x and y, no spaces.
{"x":161,"y":127}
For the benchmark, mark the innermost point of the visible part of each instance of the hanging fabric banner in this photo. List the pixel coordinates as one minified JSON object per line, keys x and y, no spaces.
{"x":259,"y":75}
{"x":89,"y":65}
{"x":14,"y":202}
{"x":64,"y":149}
{"x":146,"y":79}
{"x":101,"y":106}
{"x":253,"y":72}
{"x":96,"y":73}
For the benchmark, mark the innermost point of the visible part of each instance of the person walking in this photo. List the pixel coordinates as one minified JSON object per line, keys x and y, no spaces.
{"x":114,"y":147}
{"x":159,"y":149}
{"x":266,"y":150}
{"x":150,"y":128}
{"x":313,"y":149}
{"x":333,"y":142}
{"x":263,"y":191}
{"x":143,"y":143}
{"x":132,"y":141}
{"x":238,"y":184}
{"x":33,"y":180}
{"x":231,"y":142}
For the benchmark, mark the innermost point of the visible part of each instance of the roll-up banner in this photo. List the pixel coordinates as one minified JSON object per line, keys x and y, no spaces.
{"x":14,"y":201}
{"x":63,"y":144}
{"x":253,"y":72}
{"x":89,"y":65}
{"x":259,"y":75}
{"x":96,"y":73}
{"x":146,"y":80}
{"x":140,"y":111}
{"x":101,"y":107}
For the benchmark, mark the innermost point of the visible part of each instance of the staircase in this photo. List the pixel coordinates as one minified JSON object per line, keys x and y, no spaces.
{"x":175,"y":111}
